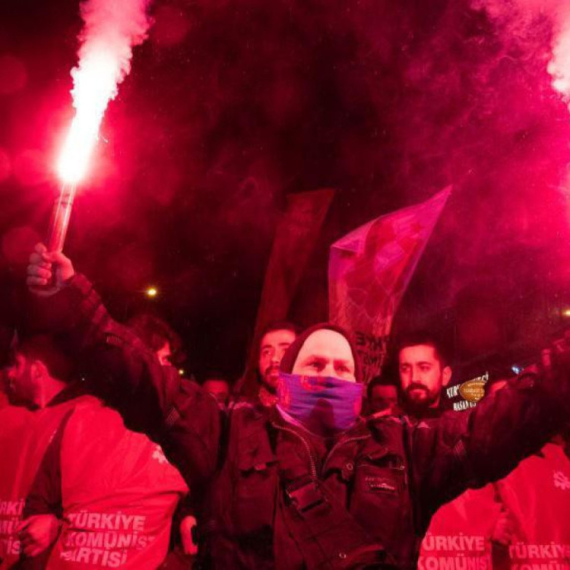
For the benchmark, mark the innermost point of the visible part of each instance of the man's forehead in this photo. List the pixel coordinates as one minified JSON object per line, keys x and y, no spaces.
{"x":328,"y":344}
{"x":417,"y":352}
{"x":276,"y":337}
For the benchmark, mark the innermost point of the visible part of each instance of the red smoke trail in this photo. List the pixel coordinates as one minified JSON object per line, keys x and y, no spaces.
{"x":112,"y":28}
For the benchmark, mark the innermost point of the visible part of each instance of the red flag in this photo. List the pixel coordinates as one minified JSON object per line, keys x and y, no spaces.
{"x":295,"y":239}
{"x":369,"y":271}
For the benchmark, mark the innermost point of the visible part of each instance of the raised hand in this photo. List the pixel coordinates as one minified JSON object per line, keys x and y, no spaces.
{"x":48,"y":271}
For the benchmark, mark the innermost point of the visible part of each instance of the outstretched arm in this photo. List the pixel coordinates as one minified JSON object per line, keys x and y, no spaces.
{"x":152,"y":398}
{"x":469,"y":449}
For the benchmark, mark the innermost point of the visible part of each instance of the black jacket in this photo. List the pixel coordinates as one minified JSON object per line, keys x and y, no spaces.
{"x":388,"y":475}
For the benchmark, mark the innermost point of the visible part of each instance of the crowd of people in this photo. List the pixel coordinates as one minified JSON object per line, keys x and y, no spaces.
{"x":111,"y":459}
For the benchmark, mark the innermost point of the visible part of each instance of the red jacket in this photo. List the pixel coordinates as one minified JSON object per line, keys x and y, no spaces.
{"x":24,"y":438}
{"x":460,"y":532}
{"x":537,"y":494}
{"x":116,"y":490}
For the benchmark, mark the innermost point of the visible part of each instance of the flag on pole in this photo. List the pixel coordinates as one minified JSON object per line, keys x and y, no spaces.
{"x":369,"y":271}
{"x":295,"y":239}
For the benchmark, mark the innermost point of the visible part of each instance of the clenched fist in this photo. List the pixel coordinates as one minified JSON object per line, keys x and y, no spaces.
{"x":38,"y":533}
{"x":48,"y":271}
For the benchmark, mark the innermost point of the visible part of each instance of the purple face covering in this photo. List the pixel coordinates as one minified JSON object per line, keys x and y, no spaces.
{"x":325,"y":406}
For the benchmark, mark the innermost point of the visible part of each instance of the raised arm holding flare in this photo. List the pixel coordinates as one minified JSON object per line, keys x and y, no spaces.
{"x":151,"y":397}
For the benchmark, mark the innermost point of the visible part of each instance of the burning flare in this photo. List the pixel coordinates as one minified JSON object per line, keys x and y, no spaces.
{"x":112,"y":28}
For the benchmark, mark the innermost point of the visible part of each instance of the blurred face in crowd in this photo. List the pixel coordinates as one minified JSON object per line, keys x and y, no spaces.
{"x":164,"y":355}
{"x":422,"y":375}
{"x":272,"y":348}
{"x":383,"y":398}
{"x":20,"y":380}
{"x":326,"y":353}
{"x":219,"y":388}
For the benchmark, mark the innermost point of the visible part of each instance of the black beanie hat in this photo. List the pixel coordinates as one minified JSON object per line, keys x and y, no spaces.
{"x":292,"y":352}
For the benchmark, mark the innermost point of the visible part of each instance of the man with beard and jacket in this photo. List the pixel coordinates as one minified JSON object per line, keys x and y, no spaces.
{"x":307,"y":483}
{"x":461,"y":531}
{"x":275,"y":340}
{"x":424,"y":373}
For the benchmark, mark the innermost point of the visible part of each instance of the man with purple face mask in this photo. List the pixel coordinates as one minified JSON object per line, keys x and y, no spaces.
{"x":307,"y":484}
{"x":321,"y":394}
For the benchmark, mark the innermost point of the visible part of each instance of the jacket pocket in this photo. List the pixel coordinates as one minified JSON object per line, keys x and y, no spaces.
{"x":255,"y":488}
{"x":379,"y":498}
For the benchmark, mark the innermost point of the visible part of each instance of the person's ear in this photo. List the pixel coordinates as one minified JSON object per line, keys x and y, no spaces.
{"x":38,"y":370}
{"x":446,"y":375}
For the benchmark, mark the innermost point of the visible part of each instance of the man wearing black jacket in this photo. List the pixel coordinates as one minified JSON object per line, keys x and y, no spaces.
{"x":307,"y":484}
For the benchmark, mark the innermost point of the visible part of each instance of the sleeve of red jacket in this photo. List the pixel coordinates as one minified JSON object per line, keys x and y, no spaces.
{"x":469,"y":449}
{"x":121,"y":369}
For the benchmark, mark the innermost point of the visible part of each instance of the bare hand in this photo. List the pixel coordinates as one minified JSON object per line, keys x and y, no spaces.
{"x":505,"y":529}
{"x":37,"y":533}
{"x":48,"y":271}
{"x":188,"y":545}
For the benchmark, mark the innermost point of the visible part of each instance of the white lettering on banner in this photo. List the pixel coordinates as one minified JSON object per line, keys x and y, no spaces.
{"x":463,"y":405}
{"x":541,"y":566}
{"x":103,"y":539}
{"x":460,"y":562}
{"x":453,"y":543}
{"x":101,"y":521}
{"x":540,"y":556}
{"x":454,"y":552}
{"x":453,"y":391}
{"x":158,"y":454}
{"x":561,"y":481}
{"x":371,"y":351}
{"x":96,"y":556}
{"x":9,"y":546}
{"x":13,"y":508}
{"x":10,"y":517}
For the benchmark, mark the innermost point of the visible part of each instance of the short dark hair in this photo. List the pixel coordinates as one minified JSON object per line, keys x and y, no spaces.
{"x":382,"y":380}
{"x":155,"y":332}
{"x":43,"y":347}
{"x":421,"y":337}
{"x":279,"y":326}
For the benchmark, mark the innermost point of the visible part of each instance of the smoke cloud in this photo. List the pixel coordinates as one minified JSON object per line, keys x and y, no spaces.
{"x":521,"y":17}
{"x":236,"y":104}
{"x":110,"y":32}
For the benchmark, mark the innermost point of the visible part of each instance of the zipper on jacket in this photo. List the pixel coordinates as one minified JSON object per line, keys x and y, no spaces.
{"x":340,"y":444}
{"x":305,"y":443}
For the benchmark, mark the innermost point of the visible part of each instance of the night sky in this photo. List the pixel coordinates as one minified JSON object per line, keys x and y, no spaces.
{"x":232,"y":105}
